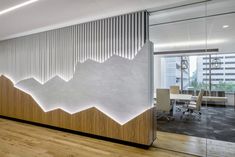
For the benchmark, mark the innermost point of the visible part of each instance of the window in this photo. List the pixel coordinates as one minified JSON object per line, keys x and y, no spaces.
{"x":196,"y":72}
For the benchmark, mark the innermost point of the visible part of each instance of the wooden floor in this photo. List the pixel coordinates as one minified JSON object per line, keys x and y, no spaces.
{"x":194,"y":145}
{"x":25,"y":140}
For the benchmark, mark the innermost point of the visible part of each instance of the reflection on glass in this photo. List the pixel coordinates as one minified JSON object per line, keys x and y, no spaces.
{"x":223,"y":76}
{"x":195,"y":49}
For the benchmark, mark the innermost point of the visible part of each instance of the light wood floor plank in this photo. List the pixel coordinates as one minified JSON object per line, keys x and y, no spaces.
{"x":194,"y":145}
{"x":24,"y":140}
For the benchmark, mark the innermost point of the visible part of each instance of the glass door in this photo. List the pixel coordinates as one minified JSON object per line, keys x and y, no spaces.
{"x":179,"y":39}
{"x":195,"y":51}
{"x":221,"y":111}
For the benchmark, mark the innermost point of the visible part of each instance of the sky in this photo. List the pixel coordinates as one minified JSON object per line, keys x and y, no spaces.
{"x":193,"y":64}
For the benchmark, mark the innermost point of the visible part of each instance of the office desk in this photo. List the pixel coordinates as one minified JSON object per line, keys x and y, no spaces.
{"x":186,"y":97}
{"x":179,"y":97}
{"x":214,"y":99}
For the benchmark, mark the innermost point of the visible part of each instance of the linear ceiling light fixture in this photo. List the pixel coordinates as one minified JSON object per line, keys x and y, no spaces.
{"x":189,"y":43}
{"x":17,"y":6}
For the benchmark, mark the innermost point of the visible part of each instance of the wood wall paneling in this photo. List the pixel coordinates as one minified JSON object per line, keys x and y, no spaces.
{"x":17,"y":104}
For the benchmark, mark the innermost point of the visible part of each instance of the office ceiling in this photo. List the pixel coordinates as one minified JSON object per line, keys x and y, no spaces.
{"x":9,"y":3}
{"x":197,"y":33}
{"x":48,"y":14}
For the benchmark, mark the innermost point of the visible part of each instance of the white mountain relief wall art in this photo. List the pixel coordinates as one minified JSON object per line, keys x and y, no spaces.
{"x":104,"y":64}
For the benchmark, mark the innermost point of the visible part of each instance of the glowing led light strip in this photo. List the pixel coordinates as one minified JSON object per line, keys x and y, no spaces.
{"x":17,"y":6}
{"x":189,"y":43}
{"x":76,"y":111}
{"x":63,"y":106}
{"x":34,"y":50}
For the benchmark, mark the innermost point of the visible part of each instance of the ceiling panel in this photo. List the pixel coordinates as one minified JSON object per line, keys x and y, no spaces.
{"x":49,"y":14}
{"x":178,"y":29}
{"x":210,"y":30}
{"x":4,"y":4}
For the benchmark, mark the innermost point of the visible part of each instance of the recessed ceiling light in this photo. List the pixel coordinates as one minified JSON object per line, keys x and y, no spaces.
{"x":17,"y":6}
{"x":225,"y":26}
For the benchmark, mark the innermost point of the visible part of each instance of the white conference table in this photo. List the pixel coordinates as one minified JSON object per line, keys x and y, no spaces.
{"x":186,"y":97}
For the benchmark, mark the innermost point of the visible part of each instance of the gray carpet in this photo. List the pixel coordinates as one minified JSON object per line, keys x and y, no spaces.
{"x":216,"y":123}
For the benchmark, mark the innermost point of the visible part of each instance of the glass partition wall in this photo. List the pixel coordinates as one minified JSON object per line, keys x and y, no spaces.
{"x":195,"y":53}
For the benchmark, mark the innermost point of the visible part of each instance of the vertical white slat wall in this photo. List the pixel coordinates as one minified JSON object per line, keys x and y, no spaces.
{"x":56,"y":52}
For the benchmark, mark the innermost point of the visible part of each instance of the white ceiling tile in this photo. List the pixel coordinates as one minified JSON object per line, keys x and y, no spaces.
{"x":49,"y":14}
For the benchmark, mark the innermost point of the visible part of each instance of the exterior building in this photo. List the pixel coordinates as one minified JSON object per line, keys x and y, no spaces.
{"x":222,"y":69}
{"x":171,"y":68}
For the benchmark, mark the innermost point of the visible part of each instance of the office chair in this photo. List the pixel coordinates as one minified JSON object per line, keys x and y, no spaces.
{"x":194,"y":107}
{"x":164,"y":108}
{"x":174,"y":89}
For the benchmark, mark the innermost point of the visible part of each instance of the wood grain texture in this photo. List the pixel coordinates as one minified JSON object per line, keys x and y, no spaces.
{"x":194,"y":145}
{"x":24,"y":140}
{"x":17,"y":104}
